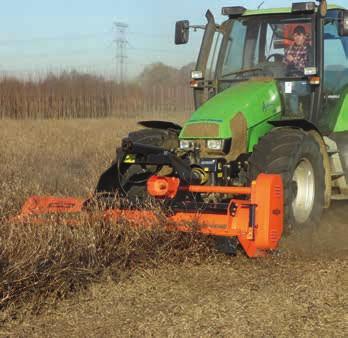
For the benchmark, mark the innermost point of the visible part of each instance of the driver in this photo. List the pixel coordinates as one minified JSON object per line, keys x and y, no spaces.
{"x":297,"y":58}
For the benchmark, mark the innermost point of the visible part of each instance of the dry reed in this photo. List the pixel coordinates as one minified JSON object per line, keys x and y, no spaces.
{"x":55,"y":260}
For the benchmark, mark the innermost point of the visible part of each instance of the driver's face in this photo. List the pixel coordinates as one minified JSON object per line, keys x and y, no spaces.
{"x":299,"y":39}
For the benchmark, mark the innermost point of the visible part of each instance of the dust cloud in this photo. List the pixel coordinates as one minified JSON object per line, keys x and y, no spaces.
{"x":328,"y":239}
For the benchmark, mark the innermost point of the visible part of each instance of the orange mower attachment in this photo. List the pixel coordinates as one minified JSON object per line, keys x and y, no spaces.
{"x":254,"y":214}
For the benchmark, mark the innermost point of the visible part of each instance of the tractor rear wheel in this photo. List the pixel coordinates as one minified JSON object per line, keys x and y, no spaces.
{"x":296,"y":156}
{"x":127,"y":180}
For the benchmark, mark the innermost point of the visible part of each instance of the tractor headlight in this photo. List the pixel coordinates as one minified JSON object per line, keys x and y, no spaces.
{"x":186,"y":145}
{"x":215,"y":144}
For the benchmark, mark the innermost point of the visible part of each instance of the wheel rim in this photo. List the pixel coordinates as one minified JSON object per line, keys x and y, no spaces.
{"x":304,"y":181}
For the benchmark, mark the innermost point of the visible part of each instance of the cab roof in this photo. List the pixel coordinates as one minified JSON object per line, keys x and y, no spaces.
{"x":279,"y":10}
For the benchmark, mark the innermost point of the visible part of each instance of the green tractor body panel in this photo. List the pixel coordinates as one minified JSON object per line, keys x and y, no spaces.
{"x":258,"y":100}
{"x":342,"y":121}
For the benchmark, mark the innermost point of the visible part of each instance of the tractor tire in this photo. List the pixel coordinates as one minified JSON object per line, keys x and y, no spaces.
{"x":296,"y":156}
{"x":135,"y":190}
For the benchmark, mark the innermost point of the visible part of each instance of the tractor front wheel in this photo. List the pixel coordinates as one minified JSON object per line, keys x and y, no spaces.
{"x":296,"y":156}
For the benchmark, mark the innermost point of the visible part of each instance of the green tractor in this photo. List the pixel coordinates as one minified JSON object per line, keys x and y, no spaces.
{"x":271,"y":96}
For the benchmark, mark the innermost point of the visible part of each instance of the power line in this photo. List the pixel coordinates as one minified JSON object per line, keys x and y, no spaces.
{"x":71,"y":37}
{"x":78,"y":36}
{"x":136,"y":52}
{"x":155,"y":36}
{"x":165,"y":51}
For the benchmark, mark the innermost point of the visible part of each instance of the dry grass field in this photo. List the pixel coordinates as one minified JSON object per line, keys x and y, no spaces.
{"x":102,"y":280}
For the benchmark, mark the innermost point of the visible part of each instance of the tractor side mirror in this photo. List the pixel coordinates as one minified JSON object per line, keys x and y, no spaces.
{"x":343,"y":22}
{"x":182,"y":32}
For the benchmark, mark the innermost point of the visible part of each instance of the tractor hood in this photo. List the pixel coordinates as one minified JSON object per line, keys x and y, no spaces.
{"x":256,"y":100}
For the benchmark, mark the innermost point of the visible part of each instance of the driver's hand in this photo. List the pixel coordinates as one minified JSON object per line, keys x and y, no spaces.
{"x":290,"y":58}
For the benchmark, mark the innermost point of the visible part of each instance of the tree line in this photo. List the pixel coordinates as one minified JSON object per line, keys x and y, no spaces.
{"x":159,"y":89}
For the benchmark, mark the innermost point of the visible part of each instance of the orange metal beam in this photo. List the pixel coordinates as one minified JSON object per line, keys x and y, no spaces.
{"x":217,"y":189}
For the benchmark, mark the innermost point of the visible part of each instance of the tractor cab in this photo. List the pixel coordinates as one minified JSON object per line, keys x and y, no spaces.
{"x":261,"y":46}
{"x":304,"y":49}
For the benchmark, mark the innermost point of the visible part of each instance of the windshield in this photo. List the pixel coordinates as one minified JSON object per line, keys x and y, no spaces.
{"x":280,"y":47}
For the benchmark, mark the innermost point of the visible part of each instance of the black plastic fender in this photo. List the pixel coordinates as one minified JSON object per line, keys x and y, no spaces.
{"x":160,"y":125}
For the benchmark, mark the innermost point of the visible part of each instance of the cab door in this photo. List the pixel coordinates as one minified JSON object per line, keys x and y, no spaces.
{"x":335,"y":72}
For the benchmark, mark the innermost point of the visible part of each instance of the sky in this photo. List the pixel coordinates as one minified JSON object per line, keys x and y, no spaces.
{"x":37,"y":36}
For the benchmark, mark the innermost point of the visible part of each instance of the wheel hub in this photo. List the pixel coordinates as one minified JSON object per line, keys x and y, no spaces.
{"x":304,"y":192}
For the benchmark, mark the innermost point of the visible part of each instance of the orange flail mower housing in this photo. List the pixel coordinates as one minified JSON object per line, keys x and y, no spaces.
{"x":254,"y":214}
